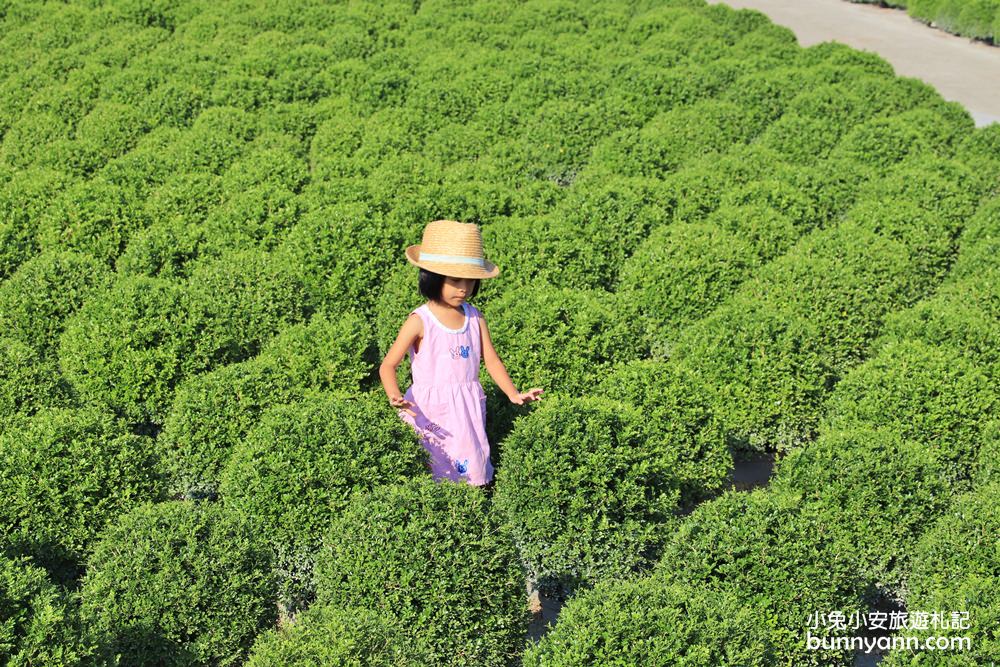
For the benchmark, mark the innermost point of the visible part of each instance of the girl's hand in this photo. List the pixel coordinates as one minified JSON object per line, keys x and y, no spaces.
{"x":400,"y":402}
{"x":528,"y":396}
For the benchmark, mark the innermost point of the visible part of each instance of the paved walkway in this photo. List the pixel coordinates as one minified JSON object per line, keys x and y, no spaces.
{"x":961,"y":69}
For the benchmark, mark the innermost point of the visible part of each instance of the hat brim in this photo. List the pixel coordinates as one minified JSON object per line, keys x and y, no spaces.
{"x":488,"y":270}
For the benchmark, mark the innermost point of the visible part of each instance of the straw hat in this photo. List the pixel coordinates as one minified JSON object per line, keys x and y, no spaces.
{"x":452,"y":249}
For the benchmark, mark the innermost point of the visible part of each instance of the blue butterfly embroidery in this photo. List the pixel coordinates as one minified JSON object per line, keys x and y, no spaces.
{"x":462,"y":467}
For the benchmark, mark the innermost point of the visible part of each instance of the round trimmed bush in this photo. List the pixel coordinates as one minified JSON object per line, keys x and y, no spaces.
{"x":778,"y":554}
{"x":213,"y":412}
{"x":165,"y":249}
{"x":339,"y":253}
{"x":677,"y":411}
{"x":38,"y":622}
{"x":680,"y":273}
{"x":956,"y":566}
{"x":129,"y":346}
{"x":297,"y":468}
{"x":587,"y":489}
{"x":564,"y":339}
{"x":258,"y":216}
{"x":190,"y":195}
{"x":882,"y":490}
{"x":337,"y":637}
{"x":987,"y":468}
{"x":953,"y":317}
{"x":96,"y":217}
{"x":28,"y":381}
{"x":647,"y":622}
{"x":64,"y":474}
{"x":218,"y":136}
{"x":44,"y":291}
{"x":430,"y":556}
{"x":772,"y":352}
{"x":22,"y":200}
{"x":178,"y":583}
{"x":932,"y":395}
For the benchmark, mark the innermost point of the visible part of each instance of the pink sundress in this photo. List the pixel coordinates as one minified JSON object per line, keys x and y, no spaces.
{"x":449,"y":400}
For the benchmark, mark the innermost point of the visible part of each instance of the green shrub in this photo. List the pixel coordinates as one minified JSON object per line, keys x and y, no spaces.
{"x":213,"y":412}
{"x":931,"y":395}
{"x":165,"y":249}
{"x":29,"y":381}
{"x":955,"y":569}
{"x":38,"y":622}
{"x":583,"y":242}
{"x":427,"y":555}
{"x":178,"y":583}
{"x":129,"y":346}
{"x":190,"y":195}
{"x":946,"y":188}
{"x":271,"y":161}
{"x":773,"y":350}
{"x":337,"y":637}
{"x":297,"y":468}
{"x":22,"y":200}
{"x":560,"y":339}
{"x":109,"y":130}
{"x":588,"y":488}
{"x":672,"y":138}
{"x":339,"y":253}
{"x":677,"y":412}
{"x":64,"y":474}
{"x":801,"y":139}
{"x":680,"y":273}
{"x":881,"y":490}
{"x":34,"y":135}
{"x":95,"y":217}
{"x":649,"y":622}
{"x":775,"y":552}
{"x":44,"y":291}
{"x":256,"y":217}
{"x":217,"y":137}
{"x":987,"y":467}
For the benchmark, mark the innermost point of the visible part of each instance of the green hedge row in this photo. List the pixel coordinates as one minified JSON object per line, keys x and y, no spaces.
{"x":979,"y":19}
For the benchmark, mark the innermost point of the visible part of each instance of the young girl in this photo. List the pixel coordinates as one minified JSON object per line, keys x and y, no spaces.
{"x":445,"y":338}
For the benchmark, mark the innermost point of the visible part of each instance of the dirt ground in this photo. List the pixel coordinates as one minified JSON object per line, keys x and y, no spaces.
{"x":961,"y":69}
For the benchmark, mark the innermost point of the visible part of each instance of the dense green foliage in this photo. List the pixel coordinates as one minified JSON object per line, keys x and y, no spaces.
{"x":956,"y":567}
{"x":587,"y":489}
{"x":297,"y":468}
{"x":213,"y":412}
{"x":647,"y":621}
{"x":178,"y":583}
{"x":979,"y":19}
{"x":38,"y":622}
{"x":433,"y":557}
{"x":64,"y":474}
{"x":337,"y":637}
{"x":782,"y":556}
{"x":710,"y":240}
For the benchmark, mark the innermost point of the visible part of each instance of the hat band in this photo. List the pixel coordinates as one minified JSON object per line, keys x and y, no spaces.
{"x":451,"y":259}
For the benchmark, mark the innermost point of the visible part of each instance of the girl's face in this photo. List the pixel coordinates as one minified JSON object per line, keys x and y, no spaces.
{"x":456,"y":290}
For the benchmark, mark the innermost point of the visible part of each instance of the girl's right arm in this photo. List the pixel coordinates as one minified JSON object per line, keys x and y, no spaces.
{"x":408,"y":333}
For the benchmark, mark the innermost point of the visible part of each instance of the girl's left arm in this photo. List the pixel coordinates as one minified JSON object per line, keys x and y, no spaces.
{"x":498,"y":371}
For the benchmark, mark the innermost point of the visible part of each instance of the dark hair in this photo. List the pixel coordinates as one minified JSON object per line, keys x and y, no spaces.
{"x":431,"y":283}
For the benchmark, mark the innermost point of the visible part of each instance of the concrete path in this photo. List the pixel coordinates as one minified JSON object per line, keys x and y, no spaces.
{"x":961,"y":69}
